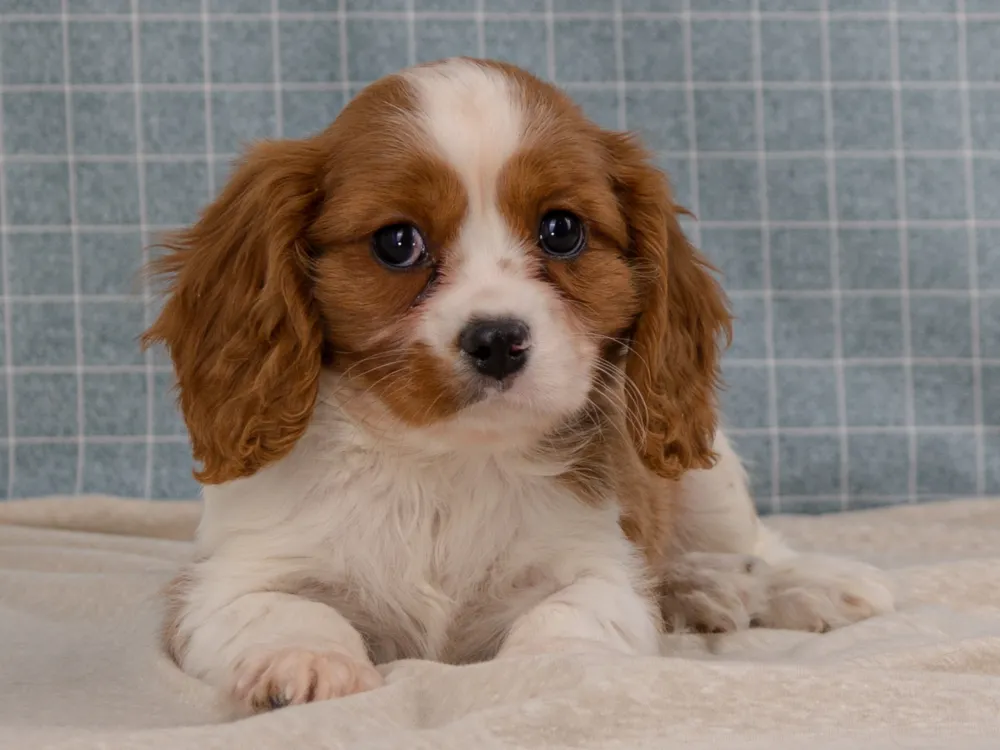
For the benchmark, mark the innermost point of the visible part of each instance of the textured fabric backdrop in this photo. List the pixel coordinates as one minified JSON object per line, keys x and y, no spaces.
{"x":843,"y":157}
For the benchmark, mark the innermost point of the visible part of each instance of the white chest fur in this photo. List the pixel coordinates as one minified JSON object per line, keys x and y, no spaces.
{"x":427,"y":557}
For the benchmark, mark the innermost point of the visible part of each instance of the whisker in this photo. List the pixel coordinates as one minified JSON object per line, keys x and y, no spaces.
{"x":609,"y":418}
{"x":430,"y":408}
{"x":391,"y":356}
{"x":345,"y":385}
{"x":638,"y":420}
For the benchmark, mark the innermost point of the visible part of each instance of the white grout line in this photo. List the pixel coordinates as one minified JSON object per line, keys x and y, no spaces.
{"x":8,"y":346}
{"x":144,"y":239}
{"x":109,"y":158}
{"x":692,"y":126}
{"x":619,"y":36}
{"x":862,"y":361}
{"x":40,"y":88}
{"x":481,"y":28}
{"x":867,"y":293}
{"x":279,"y":108}
{"x":411,"y":32}
{"x":206,"y":88}
{"x":970,"y":209}
{"x":716,"y":15}
{"x":550,"y":40}
{"x":807,"y":155}
{"x":86,"y":369}
{"x":833,"y":212}
{"x":765,"y":229}
{"x":75,"y":251}
{"x":99,"y":440}
{"x":622,"y":88}
{"x":69,"y":298}
{"x":852,"y":224}
{"x":345,"y":67}
{"x":862,"y":430}
{"x":904,"y":249}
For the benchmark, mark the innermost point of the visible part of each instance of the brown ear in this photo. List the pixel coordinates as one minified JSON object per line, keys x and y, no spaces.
{"x":239,"y":321}
{"x":674,"y":361}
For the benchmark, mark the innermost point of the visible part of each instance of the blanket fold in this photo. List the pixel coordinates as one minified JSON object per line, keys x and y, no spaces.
{"x":79,"y":666}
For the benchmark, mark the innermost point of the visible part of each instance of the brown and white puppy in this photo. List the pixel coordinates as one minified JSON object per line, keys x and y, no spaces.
{"x":450,"y":370}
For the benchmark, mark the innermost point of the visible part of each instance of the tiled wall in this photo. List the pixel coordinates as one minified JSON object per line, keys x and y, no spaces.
{"x":843,"y":157}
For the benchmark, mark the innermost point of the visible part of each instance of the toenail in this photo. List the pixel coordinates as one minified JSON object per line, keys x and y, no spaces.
{"x":278,"y":701}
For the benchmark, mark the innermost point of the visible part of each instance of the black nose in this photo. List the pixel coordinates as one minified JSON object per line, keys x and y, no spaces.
{"x":497,"y":348}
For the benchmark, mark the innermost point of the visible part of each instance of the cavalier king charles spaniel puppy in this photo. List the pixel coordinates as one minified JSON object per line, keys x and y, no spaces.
{"x":449,"y":368}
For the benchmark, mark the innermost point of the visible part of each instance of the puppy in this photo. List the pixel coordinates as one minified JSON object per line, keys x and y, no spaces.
{"x":450,"y":368}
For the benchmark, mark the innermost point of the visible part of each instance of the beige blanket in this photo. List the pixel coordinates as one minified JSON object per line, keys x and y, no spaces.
{"x":79,"y":668}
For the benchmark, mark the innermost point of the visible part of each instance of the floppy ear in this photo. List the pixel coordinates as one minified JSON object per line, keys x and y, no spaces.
{"x":239,"y":320}
{"x":673,"y":365}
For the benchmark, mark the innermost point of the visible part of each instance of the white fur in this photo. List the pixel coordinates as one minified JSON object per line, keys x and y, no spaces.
{"x":451,"y":541}
{"x":423,"y":538}
{"x":428,"y":535}
{"x":746,"y":574}
{"x":473,"y":117}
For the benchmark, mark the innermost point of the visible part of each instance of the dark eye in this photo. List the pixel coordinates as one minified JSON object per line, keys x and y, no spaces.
{"x":399,"y":246}
{"x":561,"y":234}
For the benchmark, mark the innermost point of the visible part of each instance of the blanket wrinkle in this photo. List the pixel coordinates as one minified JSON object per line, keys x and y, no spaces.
{"x":80,"y":670}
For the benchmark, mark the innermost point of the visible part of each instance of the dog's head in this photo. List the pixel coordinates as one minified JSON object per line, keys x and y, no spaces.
{"x":468,"y":253}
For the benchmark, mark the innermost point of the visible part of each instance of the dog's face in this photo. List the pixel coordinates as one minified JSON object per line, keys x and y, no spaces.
{"x":471,"y":268}
{"x":473,"y":258}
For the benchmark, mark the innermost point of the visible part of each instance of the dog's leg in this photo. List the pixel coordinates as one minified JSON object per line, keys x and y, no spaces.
{"x":732,"y":571}
{"x":266,"y":648}
{"x":604,"y":611}
{"x":818,"y":592}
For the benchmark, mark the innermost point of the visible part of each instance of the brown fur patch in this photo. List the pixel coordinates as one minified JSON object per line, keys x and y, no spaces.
{"x":675,"y":357}
{"x":384,"y":175}
{"x":276,"y":280}
{"x":598,"y":284}
{"x":240,"y":323}
{"x":369,"y":310}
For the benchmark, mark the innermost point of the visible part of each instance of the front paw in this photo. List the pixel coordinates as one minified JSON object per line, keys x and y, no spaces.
{"x":816,"y":594}
{"x":713,"y":592}
{"x":269,"y":679}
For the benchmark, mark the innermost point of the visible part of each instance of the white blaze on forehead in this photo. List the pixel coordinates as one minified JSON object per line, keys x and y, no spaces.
{"x":474,"y":116}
